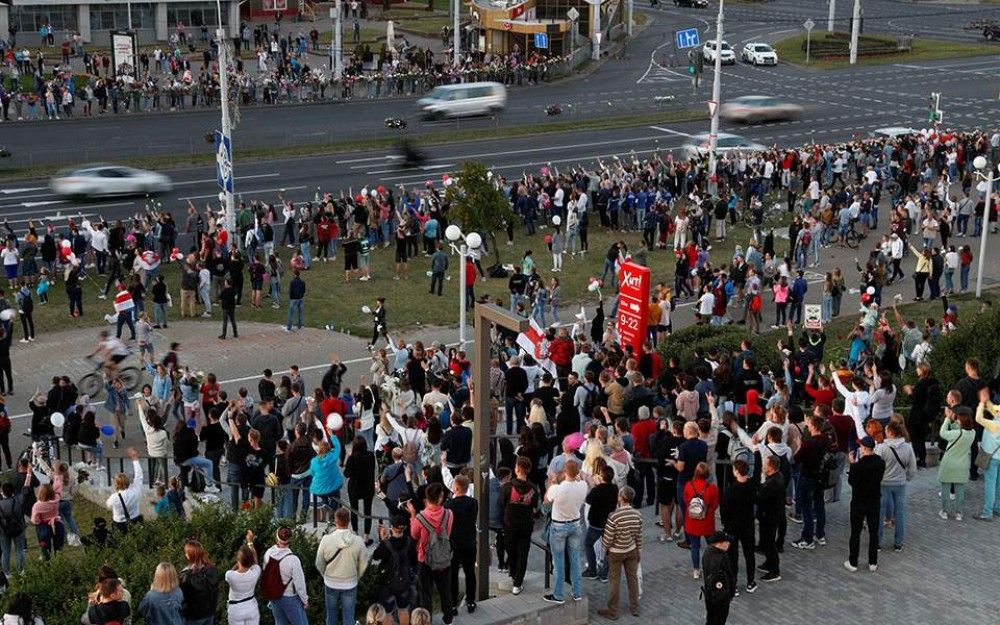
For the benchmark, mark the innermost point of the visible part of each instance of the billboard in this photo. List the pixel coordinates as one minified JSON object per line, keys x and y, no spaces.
{"x":124,"y":55}
{"x":633,"y":304}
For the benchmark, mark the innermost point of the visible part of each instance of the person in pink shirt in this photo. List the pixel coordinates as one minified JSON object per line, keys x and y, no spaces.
{"x":781,"y":292}
{"x":48,"y":524}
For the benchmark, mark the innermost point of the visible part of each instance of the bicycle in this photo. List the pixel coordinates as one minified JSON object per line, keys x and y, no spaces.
{"x":94,"y":383}
{"x":853,"y":238}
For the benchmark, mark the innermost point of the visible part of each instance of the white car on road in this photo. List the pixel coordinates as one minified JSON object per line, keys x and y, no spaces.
{"x":759,"y":54}
{"x":108,"y":180}
{"x":727,"y":54}
{"x":697,"y":145}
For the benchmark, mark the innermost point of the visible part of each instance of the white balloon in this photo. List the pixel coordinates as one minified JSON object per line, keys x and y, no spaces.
{"x":334,"y":421}
{"x":57,"y":419}
{"x":7,"y":314}
{"x":556,"y":220}
{"x":366,"y":309}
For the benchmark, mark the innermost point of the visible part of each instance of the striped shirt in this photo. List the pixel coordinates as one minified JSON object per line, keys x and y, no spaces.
{"x":623,"y":531}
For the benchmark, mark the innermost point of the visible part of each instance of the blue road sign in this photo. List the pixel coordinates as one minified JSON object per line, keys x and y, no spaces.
{"x":223,"y":162}
{"x":542,"y":41}
{"x":687,"y":38}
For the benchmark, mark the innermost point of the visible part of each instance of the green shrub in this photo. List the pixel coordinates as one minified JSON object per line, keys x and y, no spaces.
{"x":59,"y":587}
{"x":976,"y":337}
{"x":726,"y":339}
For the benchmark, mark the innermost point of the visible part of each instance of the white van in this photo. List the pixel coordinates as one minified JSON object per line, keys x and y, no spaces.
{"x":463,"y":100}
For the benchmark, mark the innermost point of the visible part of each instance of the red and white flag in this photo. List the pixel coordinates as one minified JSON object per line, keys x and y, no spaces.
{"x":531,"y":341}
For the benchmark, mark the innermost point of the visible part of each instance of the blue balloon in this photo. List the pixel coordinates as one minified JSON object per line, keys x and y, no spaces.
{"x":192,"y":423}
{"x":108,"y":430}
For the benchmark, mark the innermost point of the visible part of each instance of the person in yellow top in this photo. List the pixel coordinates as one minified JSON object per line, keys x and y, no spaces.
{"x":653,"y":317}
{"x":989,"y":453}
{"x":922,"y":271}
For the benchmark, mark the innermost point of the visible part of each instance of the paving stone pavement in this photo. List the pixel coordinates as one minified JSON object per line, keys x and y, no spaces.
{"x":947,"y":571}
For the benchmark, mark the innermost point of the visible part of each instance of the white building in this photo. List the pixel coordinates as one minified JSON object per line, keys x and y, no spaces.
{"x":94,"y":19}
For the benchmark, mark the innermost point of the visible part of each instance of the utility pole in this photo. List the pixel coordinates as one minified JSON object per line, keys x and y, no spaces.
{"x":830,"y":17}
{"x":713,"y":135}
{"x":456,"y":38}
{"x":596,"y":35}
{"x":628,"y":17}
{"x":337,"y":51}
{"x":855,"y":31}
{"x":227,"y":126}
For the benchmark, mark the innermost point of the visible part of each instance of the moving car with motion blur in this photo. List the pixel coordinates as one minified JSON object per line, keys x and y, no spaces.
{"x":698,"y":4}
{"x":698,"y":145}
{"x":753,"y":109}
{"x":759,"y":54}
{"x":463,"y":100}
{"x":94,"y":181}
{"x":727,"y":54}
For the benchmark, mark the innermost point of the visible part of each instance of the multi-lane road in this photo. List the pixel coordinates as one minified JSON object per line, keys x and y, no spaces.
{"x":838,"y":104}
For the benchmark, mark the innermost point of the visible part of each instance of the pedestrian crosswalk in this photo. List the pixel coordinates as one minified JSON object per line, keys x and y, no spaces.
{"x":658,"y":74}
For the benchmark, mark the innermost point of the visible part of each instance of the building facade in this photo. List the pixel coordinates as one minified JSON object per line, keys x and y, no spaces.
{"x":95,"y":19}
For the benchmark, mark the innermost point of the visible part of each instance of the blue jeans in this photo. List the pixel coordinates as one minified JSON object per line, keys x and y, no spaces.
{"x":276,"y":291}
{"x":340,"y":604}
{"x":307,"y":260}
{"x":949,"y":282}
{"x":695,"y":543}
{"x":813,"y":509}
{"x":827,"y":308}
{"x":991,"y":488}
{"x":66,"y":512}
{"x":288,"y":611}
{"x":564,"y":539}
{"x":294,"y":311}
{"x":204,"y":465}
{"x":303,"y":494}
{"x":593,"y":535}
{"x":18,"y":543}
{"x":894,"y":499}
{"x":205,"y":294}
{"x":963,"y":273}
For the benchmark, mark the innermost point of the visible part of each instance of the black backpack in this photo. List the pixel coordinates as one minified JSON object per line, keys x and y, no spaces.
{"x":11,"y":519}
{"x":717,"y":588}
{"x":827,"y":469}
{"x":398,"y":569}
{"x":590,"y":402}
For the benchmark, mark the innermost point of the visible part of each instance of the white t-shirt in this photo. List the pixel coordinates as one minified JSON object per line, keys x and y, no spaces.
{"x":9,"y":256}
{"x":706,"y":303}
{"x":567,"y":499}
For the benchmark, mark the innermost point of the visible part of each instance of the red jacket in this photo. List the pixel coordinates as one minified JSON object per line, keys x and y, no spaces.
{"x":561,"y":352}
{"x":642,"y":430}
{"x":709,"y":492}
{"x":470,"y":273}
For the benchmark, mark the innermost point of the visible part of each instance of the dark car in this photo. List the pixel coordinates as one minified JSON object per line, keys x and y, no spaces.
{"x":698,"y":4}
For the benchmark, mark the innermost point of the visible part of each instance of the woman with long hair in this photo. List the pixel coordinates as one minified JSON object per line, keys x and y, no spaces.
{"x":242,"y":581}
{"x":199,"y":584}
{"x":48,"y":525}
{"x":953,"y":470}
{"x":163,"y":603}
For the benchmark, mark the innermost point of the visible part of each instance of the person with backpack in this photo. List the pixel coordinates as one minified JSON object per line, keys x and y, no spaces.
{"x":519,"y":501}
{"x":12,"y":520}
{"x":110,"y":607}
{"x":465,"y":509}
{"x":163,"y":604}
{"x":394,"y":482}
{"x":397,"y":556}
{"x":431,"y":530}
{"x":341,"y":560}
{"x":199,"y":584}
{"x":283,"y":582}
{"x":720,"y":579}
{"x":811,"y":461}
{"x":701,"y":500}
{"x":865,"y":477}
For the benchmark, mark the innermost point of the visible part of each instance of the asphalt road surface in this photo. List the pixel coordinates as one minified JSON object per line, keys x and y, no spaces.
{"x":633,"y":82}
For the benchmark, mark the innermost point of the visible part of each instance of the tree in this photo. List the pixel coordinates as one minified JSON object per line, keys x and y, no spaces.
{"x":477,"y":204}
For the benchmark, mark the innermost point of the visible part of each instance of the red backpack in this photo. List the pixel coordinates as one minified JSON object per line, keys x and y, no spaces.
{"x":271,"y":584}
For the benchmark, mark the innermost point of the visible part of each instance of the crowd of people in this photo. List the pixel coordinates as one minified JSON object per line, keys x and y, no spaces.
{"x":282,"y":68}
{"x":592,"y":440}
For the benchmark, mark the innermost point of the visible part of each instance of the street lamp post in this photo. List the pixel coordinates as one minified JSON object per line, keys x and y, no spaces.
{"x":985,"y":172}
{"x":336,"y":51}
{"x":832,"y":15}
{"x":463,"y":244}
{"x":456,"y":37}
{"x":855,"y":31}
{"x":713,"y":135}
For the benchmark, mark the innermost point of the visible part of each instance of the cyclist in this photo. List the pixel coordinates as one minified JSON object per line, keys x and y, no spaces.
{"x":112,"y":351}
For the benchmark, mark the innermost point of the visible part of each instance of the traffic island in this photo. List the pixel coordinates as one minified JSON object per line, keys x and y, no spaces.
{"x":826,"y":50}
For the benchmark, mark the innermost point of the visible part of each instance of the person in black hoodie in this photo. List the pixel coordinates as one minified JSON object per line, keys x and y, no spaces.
{"x":719,"y":576}
{"x":865,"y":478}
{"x":359,"y":471}
{"x":770,"y":512}
{"x":736,"y":508}
{"x":457,"y":442}
{"x":214,"y":438}
{"x":463,"y":541}
{"x":186,"y":454}
{"x":603,"y":500}
{"x":519,"y":500}
{"x":199,"y":582}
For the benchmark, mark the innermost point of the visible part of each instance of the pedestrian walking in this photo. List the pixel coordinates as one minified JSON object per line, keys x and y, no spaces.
{"x":227,"y":302}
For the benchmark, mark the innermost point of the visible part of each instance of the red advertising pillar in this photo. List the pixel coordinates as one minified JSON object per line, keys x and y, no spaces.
{"x":633,"y":303}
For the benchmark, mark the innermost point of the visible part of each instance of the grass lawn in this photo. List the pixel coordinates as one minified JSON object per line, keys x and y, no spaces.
{"x":791,"y":50}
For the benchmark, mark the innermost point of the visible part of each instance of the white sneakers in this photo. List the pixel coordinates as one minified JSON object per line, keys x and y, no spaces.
{"x":516,"y":590}
{"x":850,"y":567}
{"x":696,"y":574}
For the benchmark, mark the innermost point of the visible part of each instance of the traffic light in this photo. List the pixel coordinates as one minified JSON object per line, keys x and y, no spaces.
{"x":692,"y":62}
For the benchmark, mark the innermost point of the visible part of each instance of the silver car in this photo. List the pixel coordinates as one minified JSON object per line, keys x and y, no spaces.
{"x":751,"y":109}
{"x":108,"y":180}
{"x":697,"y":145}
